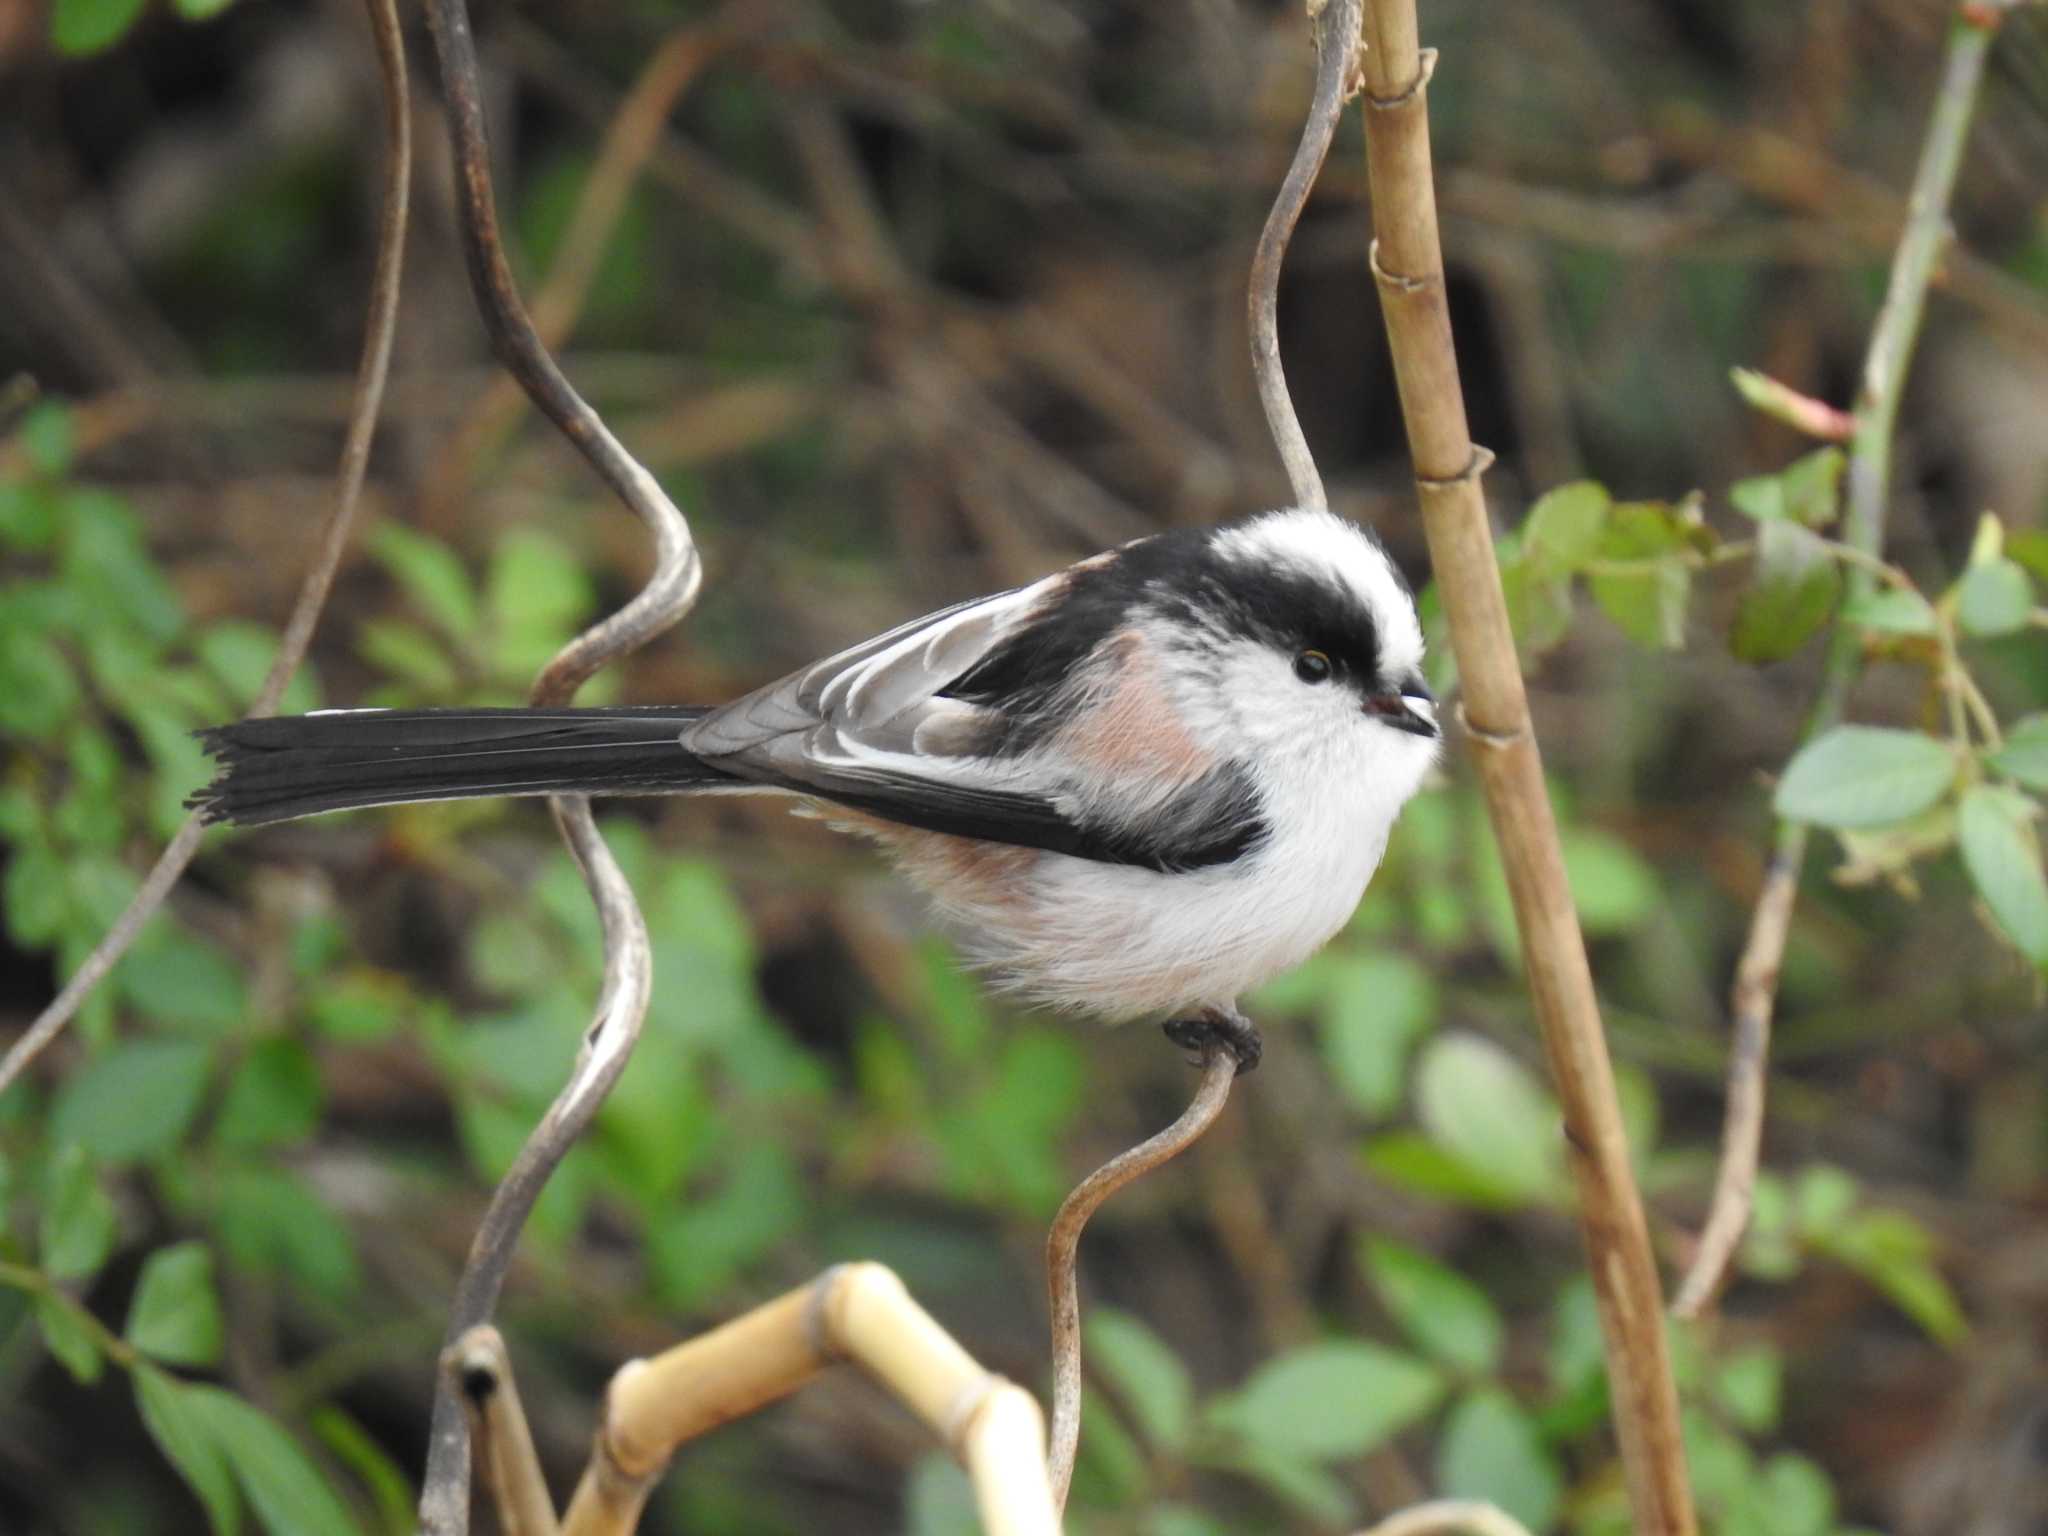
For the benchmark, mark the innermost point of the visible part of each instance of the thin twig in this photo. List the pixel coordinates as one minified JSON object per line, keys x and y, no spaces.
{"x":631,"y":138}
{"x":622,"y":1000}
{"x":1407,"y":265}
{"x":1336,"y":38}
{"x":1876,"y":414}
{"x":364,"y":407}
{"x":1474,"y":1515}
{"x":1219,"y":1070}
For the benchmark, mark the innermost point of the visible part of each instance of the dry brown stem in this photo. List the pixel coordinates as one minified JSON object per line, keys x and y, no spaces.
{"x":1407,"y":265}
{"x":1336,"y":37}
{"x":632,"y":137}
{"x":1219,"y":1070}
{"x":365,"y":403}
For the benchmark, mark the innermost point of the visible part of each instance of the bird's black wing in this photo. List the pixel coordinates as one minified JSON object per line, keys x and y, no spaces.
{"x":876,"y":729}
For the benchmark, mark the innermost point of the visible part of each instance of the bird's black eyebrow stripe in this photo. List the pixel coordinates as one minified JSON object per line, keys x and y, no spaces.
{"x":1181,"y":575}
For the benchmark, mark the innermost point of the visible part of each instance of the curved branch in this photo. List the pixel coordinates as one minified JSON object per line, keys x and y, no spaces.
{"x":668,"y":595}
{"x":1219,"y":1070}
{"x":371,"y":372}
{"x":1336,"y":38}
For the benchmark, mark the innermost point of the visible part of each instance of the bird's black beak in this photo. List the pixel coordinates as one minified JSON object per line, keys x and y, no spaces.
{"x":1410,"y":708}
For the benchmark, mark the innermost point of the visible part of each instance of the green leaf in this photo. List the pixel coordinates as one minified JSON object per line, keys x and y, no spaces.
{"x":1613,"y":888}
{"x":200,"y":10}
{"x":182,"y":979}
{"x":1994,"y":598}
{"x":390,"y":1490}
{"x":1864,"y":776}
{"x":1411,"y":1161}
{"x":1564,"y":528}
{"x":70,"y":1341}
{"x":1789,"y":1496}
{"x":1823,"y":1198}
{"x":1329,"y":1401}
{"x":2025,"y":753}
{"x":38,"y":690}
{"x":408,"y":654}
{"x":1146,"y":1375}
{"x":49,"y":429}
{"x":1647,"y":606}
{"x":1576,"y":1353}
{"x":1896,"y":1254}
{"x":1319,"y":1498}
{"x":1994,"y":827}
{"x":1438,"y":1308}
{"x":1539,"y":607}
{"x":287,"y":1492}
{"x":137,"y":1101}
{"x":1378,"y":1005}
{"x":535,"y":592}
{"x":1891,"y":610}
{"x":175,"y":1315}
{"x":239,"y":653}
{"x":432,"y":574}
{"x":36,"y":895}
{"x":1806,"y":491}
{"x":107,"y":568}
{"x":1491,"y":1450}
{"x":77,"y":1229}
{"x":273,"y":1099}
{"x":1792,"y":593}
{"x":182,"y":1435}
{"x":267,"y":1218}
{"x":88,"y":26}
{"x":1749,"y":1386}
{"x":1480,"y":1104}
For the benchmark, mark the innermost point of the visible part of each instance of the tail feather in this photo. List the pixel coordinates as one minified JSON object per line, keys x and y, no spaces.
{"x":277,"y":768}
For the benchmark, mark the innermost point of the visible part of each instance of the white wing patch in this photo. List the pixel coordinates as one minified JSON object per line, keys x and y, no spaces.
{"x":874,"y":702}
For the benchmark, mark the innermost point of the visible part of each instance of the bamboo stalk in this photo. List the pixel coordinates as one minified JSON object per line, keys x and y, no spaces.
{"x":1407,"y":265}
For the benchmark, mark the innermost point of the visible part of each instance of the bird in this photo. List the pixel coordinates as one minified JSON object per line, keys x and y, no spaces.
{"x":1140,"y":786}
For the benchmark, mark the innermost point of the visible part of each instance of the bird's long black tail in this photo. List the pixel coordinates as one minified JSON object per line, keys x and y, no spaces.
{"x":300,"y":765}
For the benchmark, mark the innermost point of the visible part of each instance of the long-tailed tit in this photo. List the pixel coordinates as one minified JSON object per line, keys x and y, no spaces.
{"x":1142,"y":785}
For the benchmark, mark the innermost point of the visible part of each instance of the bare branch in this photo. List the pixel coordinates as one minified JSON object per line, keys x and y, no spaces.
{"x":622,"y":1002}
{"x":1892,"y":339}
{"x":365,"y":404}
{"x":1336,"y":36}
{"x":1219,"y":1071}
{"x":1407,"y":264}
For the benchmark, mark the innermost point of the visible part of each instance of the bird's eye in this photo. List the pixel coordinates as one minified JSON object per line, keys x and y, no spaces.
{"x":1312,"y":667}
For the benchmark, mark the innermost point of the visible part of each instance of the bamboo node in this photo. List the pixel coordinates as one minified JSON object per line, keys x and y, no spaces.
{"x":819,"y":1331}
{"x":1497,"y":741}
{"x":1395,"y":280}
{"x":966,"y":1407}
{"x":1475,"y":466}
{"x":1425,"y":69}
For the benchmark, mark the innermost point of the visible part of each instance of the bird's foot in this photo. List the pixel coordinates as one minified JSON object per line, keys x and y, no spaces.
{"x":1223,"y":1027}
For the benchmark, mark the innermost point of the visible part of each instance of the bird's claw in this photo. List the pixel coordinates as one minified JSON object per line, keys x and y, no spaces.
{"x":1221,"y":1027}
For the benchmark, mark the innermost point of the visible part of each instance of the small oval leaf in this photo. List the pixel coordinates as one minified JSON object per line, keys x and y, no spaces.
{"x":1995,"y":830}
{"x":1864,"y":776}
